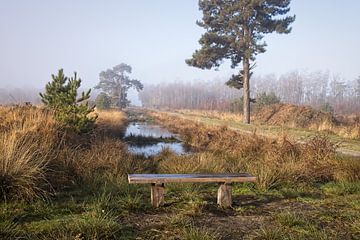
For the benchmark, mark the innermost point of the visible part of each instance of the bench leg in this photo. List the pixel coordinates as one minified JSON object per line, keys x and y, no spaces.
{"x":224,"y":198}
{"x":157,"y":195}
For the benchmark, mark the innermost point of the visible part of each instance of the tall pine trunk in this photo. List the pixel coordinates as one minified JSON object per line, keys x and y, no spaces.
{"x":246,"y":92}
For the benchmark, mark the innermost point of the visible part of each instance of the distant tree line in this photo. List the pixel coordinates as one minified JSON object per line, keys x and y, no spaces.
{"x":321,"y":90}
{"x":317,"y":89}
{"x":19,"y":95}
{"x":197,"y":95}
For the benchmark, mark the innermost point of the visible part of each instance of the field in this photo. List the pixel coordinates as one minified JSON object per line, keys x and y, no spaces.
{"x":59,"y":185}
{"x":347,"y":137}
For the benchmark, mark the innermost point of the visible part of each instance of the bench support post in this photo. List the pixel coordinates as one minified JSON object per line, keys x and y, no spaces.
{"x":157,"y":194}
{"x":224,"y":198}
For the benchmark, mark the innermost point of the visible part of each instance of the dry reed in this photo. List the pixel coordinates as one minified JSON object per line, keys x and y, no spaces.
{"x":37,"y":156}
{"x":273,"y":162}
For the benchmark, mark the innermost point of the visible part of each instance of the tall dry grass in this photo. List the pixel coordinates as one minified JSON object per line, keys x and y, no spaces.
{"x":227,"y":116}
{"x":38,"y":156}
{"x":273,"y":162}
{"x":27,"y":138}
{"x":111,"y":122}
{"x":292,"y":116}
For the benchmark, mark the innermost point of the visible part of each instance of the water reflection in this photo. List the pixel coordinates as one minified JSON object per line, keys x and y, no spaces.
{"x":143,"y":129}
{"x":147,"y":130}
{"x":151,"y":150}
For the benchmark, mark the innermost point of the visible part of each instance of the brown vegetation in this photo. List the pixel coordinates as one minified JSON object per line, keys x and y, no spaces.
{"x":111,"y":122}
{"x":306,"y":117}
{"x":37,"y":156}
{"x":274,"y":162}
{"x":88,"y":197}
{"x":293,"y":116}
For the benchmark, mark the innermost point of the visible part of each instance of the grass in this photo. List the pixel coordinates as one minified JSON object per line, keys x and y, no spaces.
{"x":269,"y":234}
{"x":341,"y":188}
{"x":196,"y":234}
{"x":111,"y":122}
{"x":275,"y":163}
{"x":25,"y":152}
{"x":56,"y":185}
{"x":291,"y":220}
{"x":140,"y":140}
{"x":235,"y":122}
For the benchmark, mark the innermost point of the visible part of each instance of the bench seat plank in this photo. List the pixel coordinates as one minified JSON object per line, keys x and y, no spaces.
{"x":190,"y":178}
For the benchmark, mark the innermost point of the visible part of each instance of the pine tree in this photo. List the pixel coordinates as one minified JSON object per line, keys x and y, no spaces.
{"x":234,"y":30}
{"x":116,"y":83}
{"x":61,"y":96}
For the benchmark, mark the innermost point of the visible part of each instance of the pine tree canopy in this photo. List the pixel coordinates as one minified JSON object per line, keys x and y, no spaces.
{"x":116,"y":82}
{"x":235,"y":29}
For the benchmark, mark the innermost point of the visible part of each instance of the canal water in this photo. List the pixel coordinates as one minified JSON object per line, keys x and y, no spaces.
{"x":153,"y":131}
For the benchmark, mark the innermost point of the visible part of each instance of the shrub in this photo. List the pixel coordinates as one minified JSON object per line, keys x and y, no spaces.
{"x":61,"y":97}
{"x":103,"y":101}
{"x":264,"y":99}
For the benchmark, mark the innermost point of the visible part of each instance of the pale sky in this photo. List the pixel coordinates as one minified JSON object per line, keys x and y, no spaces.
{"x":155,"y":37}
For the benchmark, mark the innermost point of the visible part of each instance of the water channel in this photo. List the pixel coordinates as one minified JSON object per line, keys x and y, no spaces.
{"x":150,"y":139}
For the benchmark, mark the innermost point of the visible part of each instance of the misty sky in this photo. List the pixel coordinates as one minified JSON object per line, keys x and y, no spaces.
{"x":155,"y":37}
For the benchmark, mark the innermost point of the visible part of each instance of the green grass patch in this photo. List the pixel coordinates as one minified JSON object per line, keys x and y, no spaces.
{"x":193,"y":233}
{"x":267,"y":233}
{"x":341,"y":188}
{"x":289,"y":219}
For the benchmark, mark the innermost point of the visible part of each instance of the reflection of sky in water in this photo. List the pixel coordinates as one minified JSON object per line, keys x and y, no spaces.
{"x":151,"y":150}
{"x":155,"y":131}
{"x":147,"y":130}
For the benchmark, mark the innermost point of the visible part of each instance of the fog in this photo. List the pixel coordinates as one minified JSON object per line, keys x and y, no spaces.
{"x":155,"y":37}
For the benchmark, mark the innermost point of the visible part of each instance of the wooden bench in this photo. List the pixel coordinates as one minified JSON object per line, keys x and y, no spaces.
{"x":158,"y":181}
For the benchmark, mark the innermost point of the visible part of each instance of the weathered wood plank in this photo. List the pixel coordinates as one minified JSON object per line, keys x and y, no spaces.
{"x":224,"y":197}
{"x":190,"y":178}
{"x":157,"y":195}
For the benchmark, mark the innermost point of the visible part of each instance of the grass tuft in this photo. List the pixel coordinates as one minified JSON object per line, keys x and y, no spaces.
{"x":269,"y":234}
{"x":289,"y":219}
{"x":192,"y":233}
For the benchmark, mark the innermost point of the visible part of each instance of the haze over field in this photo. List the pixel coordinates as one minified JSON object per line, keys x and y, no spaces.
{"x":111,"y":129}
{"x":155,"y":37}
